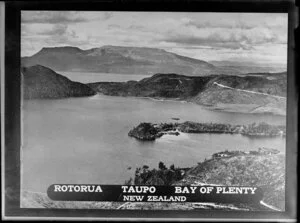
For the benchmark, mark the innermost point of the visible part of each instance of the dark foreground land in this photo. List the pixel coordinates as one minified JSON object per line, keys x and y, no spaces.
{"x":148,"y":131}
{"x":264,"y":168}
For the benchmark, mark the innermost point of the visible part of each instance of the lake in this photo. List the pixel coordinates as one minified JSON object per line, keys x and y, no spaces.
{"x":89,"y":77}
{"x":84,"y":140}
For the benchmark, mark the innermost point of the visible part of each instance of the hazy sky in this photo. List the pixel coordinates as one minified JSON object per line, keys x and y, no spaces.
{"x":255,"y":37}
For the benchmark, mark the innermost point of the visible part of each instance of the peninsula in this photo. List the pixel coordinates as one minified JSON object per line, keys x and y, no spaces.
{"x":149,"y":132}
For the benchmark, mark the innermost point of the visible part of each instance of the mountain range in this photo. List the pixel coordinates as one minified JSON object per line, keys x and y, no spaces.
{"x":260,"y":93}
{"x":122,"y":60}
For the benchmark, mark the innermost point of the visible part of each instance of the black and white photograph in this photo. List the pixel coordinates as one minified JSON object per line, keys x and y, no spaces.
{"x":153,"y":99}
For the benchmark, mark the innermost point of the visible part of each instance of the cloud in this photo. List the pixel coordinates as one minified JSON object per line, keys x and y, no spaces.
{"x":113,"y":27}
{"x":63,"y":17}
{"x":136,"y":27}
{"x":217,"y":24}
{"x":57,"y":30}
{"x":237,"y":20}
{"x":224,"y":39}
{"x":35,"y":37}
{"x":213,"y":41}
{"x":234,"y":35}
{"x":199,"y":35}
{"x":53,"y":17}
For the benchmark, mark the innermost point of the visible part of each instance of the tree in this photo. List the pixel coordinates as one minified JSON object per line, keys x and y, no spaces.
{"x":161,"y":166}
{"x":172,"y":167}
{"x":129,"y":182}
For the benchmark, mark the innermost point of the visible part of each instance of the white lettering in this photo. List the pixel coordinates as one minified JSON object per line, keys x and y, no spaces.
{"x":193,"y":189}
{"x":124,"y":188}
{"x":253,"y":190}
{"x":203,"y":190}
{"x":219,"y":189}
{"x":177,"y":190}
{"x":83,"y":188}
{"x":91,"y":189}
{"x":64,"y":188}
{"x":132,"y":198}
{"x":138,"y":189}
{"x":57,"y":188}
{"x":77,"y":188}
{"x":152,"y":189}
{"x":209,"y":189}
{"x":98,"y":189}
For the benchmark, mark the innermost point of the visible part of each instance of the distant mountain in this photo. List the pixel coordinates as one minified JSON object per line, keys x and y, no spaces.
{"x":252,"y":93}
{"x":42,"y":82}
{"x":249,"y":67}
{"x":123,"y":60}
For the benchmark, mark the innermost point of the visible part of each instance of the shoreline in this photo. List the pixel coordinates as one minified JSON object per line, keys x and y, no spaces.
{"x":146,"y":131}
{"x":230,"y":108}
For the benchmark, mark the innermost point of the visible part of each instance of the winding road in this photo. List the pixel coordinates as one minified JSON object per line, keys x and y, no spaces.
{"x":253,"y":92}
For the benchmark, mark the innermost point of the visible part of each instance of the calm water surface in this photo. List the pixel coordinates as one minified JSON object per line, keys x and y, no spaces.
{"x":84,"y":140}
{"x":89,"y":77}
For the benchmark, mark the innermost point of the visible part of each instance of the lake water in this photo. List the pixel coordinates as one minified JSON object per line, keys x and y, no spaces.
{"x":84,"y":140}
{"x":89,"y":77}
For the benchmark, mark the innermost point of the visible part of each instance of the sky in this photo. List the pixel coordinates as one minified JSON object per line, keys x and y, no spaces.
{"x":242,"y":37}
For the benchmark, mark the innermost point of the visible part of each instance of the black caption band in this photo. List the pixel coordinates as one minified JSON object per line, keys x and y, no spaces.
{"x":128,"y":193}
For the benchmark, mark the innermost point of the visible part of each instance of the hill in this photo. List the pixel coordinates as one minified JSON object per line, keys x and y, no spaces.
{"x":42,"y":82}
{"x":264,"y":168}
{"x":266,"y":171}
{"x":123,"y":60}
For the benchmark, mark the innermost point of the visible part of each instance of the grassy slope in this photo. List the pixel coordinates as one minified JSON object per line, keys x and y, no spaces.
{"x":265,"y":171}
{"x":232,"y":100}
